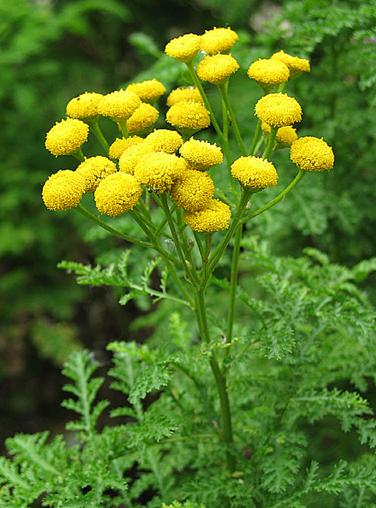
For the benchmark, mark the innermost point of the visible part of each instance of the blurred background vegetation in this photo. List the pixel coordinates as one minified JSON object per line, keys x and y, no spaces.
{"x":51,"y":51}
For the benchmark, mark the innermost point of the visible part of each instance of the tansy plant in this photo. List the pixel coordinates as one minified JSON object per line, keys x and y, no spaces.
{"x":172,"y":169}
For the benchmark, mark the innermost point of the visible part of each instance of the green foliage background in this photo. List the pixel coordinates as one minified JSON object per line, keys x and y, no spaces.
{"x":52,"y":51}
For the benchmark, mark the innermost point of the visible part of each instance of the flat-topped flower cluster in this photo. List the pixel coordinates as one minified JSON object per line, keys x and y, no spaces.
{"x":170,"y":159}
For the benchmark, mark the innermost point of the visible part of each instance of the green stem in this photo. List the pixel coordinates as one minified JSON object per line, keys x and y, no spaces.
{"x":217,"y":254}
{"x":199,"y":86}
{"x":255,"y":139}
{"x":84,"y":211}
{"x":178,"y":246}
{"x":79,"y":155}
{"x":97,"y":131}
{"x":270,"y":144}
{"x":239,"y":139}
{"x":221,"y":383}
{"x":123,"y":128}
{"x":233,"y":285}
{"x":278,"y":198}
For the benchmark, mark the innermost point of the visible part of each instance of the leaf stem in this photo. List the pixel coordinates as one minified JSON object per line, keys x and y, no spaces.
{"x":239,"y":139}
{"x":278,"y":198}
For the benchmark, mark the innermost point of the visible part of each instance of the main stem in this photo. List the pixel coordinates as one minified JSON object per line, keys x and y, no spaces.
{"x":220,"y":380}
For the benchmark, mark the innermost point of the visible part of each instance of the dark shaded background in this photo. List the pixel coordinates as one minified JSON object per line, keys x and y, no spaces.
{"x":52,"y":51}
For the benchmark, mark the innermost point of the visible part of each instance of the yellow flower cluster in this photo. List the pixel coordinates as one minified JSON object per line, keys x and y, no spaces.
{"x":278,"y":110}
{"x":95,"y":169}
{"x":294,"y":63}
{"x":184,"y":94}
{"x":145,"y":116}
{"x":216,"y":69}
{"x":285,"y":135}
{"x":119,"y":105}
{"x":161,"y":160}
{"x":188,"y":116}
{"x":63,"y":190}
{"x":117,"y":194}
{"x":268,"y":72}
{"x":184,"y":48}
{"x":254,"y":172}
{"x":66,"y":137}
{"x":193,"y":191}
{"x":163,"y":140}
{"x":201,"y":155}
{"x":121,"y":144}
{"x":84,"y":106}
{"x":312,"y":154}
{"x":149,"y":90}
{"x":159,"y":170}
{"x":218,"y":40}
{"x":130,"y":157}
{"x":215,"y":217}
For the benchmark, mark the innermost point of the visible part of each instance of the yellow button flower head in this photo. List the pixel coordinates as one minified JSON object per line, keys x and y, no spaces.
{"x":184,"y":94}
{"x":131,"y":156}
{"x":254,"y":172}
{"x":268,"y":72}
{"x":201,"y":155}
{"x":163,"y":140}
{"x":159,"y":170}
{"x":193,"y":191}
{"x":285,"y":135}
{"x":218,"y":40}
{"x":63,"y":190}
{"x":117,"y":194}
{"x":294,"y":63}
{"x":145,"y":116}
{"x":119,"y":105}
{"x":121,"y":144}
{"x":215,"y":217}
{"x":278,"y":109}
{"x":312,"y":154}
{"x":149,"y":90}
{"x":95,"y":169}
{"x":84,"y":106}
{"x":217,"y":69}
{"x":184,"y":48}
{"x":188,"y":115}
{"x":66,"y":137}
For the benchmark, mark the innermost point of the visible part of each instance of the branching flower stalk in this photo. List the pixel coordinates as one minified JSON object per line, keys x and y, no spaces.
{"x":173,"y":165}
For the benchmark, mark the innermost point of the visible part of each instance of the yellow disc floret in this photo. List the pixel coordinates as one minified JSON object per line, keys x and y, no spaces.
{"x":285,"y":135}
{"x":131,"y":156}
{"x":121,"y":144}
{"x":294,"y":63}
{"x":194,"y":191}
{"x":117,"y":194}
{"x":201,"y":155}
{"x":312,"y":154}
{"x":149,"y":90}
{"x":84,"y":106}
{"x":215,"y":217}
{"x":95,"y":169}
{"x":63,"y":190}
{"x":254,"y":172}
{"x":218,"y":40}
{"x":269,"y":72}
{"x":159,"y":170}
{"x":66,"y":137}
{"x":188,"y":115}
{"x":184,"y":94}
{"x":278,"y":109}
{"x":145,"y":116}
{"x":119,"y":105}
{"x":183,"y":48}
{"x":163,"y":140}
{"x":217,"y":69}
